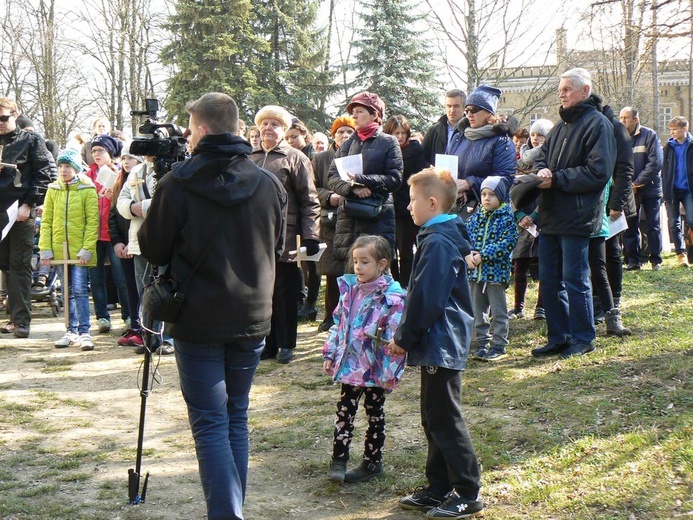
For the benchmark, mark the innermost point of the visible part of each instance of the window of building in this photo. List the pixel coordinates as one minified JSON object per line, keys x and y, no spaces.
{"x":665,"y":115}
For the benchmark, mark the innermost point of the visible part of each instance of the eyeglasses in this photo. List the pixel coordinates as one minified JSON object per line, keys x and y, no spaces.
{"x":5,"y":119}
{"x":98,"y":151}
{"x":472,"y":110}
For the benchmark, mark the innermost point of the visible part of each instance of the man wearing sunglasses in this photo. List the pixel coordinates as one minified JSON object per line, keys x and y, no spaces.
{"x":27,"y":169}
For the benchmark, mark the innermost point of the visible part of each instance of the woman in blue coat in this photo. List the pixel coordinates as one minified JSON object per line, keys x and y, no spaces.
{"x":483,"y":145}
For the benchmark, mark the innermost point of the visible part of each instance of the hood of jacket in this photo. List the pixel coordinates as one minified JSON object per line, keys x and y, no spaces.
{"x":207,"y":173}
{"x":454,"y":230}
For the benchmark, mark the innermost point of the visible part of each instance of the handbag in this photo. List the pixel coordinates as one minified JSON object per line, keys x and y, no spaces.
{"x":363,"y":209}
{"x":162,"y":298}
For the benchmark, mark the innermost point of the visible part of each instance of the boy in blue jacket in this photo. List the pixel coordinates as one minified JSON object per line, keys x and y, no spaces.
{"x":435,"y":331}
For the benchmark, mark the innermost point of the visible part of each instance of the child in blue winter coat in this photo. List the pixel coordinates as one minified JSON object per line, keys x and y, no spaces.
{"x":493,"y":235}
{"x":370,"y":308}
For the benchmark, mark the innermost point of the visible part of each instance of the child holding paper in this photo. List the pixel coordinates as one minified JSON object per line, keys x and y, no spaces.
{"x":105,"y":150}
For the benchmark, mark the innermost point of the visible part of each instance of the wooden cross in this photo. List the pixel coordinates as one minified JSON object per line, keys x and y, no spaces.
{"x":298,"y":251}
{"x":378,"y":337}
{"x":66,"y":282}
{"x":136,"y":183}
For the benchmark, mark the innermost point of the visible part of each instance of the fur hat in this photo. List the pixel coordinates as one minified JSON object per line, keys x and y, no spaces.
{"x":126,"y":153}
{"x":498,"y":185}
{"x":368,"y":100}
{"x":274,"y":112}
{"x":342,"y":121}
{"x":541,"y":127}
{"x":486,"y":97}
{"x":112,"y":145}
{"x":72,"y":158}
{"x":524,"y":191}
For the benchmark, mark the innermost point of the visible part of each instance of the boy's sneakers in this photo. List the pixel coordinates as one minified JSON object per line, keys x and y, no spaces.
{"x":166,"y":349}
{"x":454,"y":506}
{"x":130,"y":339}
{"x":539,"y":313}
{"x":70,"y":339}
{"x":494,"y":354}
{"x":481,"y":352}
{"x":86,"y":342}
{"x":104,"y":325}
{"x":421,"y":500}
{"x":516,"y":314}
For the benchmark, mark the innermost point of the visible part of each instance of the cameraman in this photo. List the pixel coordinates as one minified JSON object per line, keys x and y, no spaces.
{"x":218,"y":198}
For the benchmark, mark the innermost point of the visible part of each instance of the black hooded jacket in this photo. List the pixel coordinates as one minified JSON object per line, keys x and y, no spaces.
{"x":218,"y":195}
{"x":581,"y":152}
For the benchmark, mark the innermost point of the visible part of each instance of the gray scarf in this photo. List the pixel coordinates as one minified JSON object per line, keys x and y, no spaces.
{"x":479,"y":133}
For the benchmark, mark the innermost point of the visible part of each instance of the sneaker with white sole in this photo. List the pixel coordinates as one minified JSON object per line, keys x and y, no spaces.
{"x":86,"y":342}
{"x":70,"y":339}
{"x":454,"y":506}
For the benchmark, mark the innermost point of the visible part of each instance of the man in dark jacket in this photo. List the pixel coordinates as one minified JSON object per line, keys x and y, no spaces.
{"x":438,"y":136}
{"x":219,"y":208}
{"x":647,"y":184}
{"x":575,"y":164}
{"x":28,"y":169}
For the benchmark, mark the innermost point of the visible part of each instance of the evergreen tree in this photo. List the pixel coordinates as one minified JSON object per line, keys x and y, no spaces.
{"x":394,"y":61}
{"x":292,"y":72}
{"x":210,"y":51}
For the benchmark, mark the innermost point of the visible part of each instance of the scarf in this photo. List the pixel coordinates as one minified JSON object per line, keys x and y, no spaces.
{"x":479,"y":133}
{"x":368,"y":131}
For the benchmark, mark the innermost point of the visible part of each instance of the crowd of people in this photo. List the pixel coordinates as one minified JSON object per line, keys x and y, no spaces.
{"x":417,"y":257}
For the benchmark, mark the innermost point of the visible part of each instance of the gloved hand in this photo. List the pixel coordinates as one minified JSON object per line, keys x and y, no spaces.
{"x":312,"y":247}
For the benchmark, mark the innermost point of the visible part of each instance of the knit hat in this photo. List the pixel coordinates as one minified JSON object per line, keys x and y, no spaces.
{"x":524,"y":191}
{"x":486,"y":97}
{"x":112,"y":145}
{"x":24,"y":122}
{"x":498,"y":185}
{"x":342,"y":121}
{"x":541,"y":127}
{"x":274,"y":112}
{"x":368,"y":100}
{"x":126,"y":153}
{"x":72,"y":158}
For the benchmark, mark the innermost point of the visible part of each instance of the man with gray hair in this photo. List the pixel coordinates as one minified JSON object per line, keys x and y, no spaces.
{"x":438,"y":136}
{"x":575,"y":164}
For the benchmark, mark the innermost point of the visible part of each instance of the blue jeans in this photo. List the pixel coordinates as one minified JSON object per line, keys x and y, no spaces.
{"x":97,"y":275}
{"x":215,"y":381}
{"x":674,"y":216}
{"x":564,"y":277}
{"x":79,"y":297}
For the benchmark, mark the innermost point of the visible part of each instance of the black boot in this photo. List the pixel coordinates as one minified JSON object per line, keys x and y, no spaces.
{"x":614,"y":324}
{"x":337,"y":470}
{"x":365,"y":471}
{"x":308,"y":312}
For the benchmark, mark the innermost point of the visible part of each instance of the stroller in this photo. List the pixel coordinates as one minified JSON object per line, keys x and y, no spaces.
{"x":48,"y":291}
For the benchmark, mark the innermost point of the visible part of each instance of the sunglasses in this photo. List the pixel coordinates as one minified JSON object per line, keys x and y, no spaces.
{"x":472,"y":110}
{"x":5,"y":119}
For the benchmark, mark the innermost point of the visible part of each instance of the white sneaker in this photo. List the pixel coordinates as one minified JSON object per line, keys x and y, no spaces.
{"x":86,"y":342}
{"x":70,"y":339}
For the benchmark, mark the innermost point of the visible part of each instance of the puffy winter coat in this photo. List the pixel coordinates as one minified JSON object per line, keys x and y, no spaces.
{"x":621,"y":196}
{"x":358,"y":360}
{"x":70,"y":214}
{"x":647,"y":160}
{"x":382,"y":174}
{"x":104,"y":205}
{"x":581,"y":153}
{"x":294,"y":171}
{"x":481,"y":158}
{"x":494,"y":235}
{"x":436,"y":327}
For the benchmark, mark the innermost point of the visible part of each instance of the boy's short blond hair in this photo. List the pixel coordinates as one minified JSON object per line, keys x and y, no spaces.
{"x":437,"y":183}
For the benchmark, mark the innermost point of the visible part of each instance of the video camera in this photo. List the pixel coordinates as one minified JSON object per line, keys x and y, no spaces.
{"x":167,"y":142}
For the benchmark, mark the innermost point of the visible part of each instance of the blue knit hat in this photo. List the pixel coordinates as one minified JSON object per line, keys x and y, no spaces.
{"x":112,"y":145}
{"x":72,"y":158}
{"x":498,"y":185}
{"x":486,"y":97}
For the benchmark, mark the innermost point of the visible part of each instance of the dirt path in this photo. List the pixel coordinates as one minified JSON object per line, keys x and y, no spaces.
{"x":68,"y":433}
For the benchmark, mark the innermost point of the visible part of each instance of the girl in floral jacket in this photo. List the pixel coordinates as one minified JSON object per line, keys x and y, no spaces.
{"x":369,"y":311}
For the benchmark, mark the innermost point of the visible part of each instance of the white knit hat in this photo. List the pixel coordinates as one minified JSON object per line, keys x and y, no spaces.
{"x":274,"y":112}
{"x":541,"y":127}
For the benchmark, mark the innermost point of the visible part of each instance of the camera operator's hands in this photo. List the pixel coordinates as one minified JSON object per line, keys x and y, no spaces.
{"x":312,"y":247}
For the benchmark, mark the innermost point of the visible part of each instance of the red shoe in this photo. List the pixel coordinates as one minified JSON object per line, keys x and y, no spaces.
{"x":126,"y":339}
{"x":136,"y":340}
